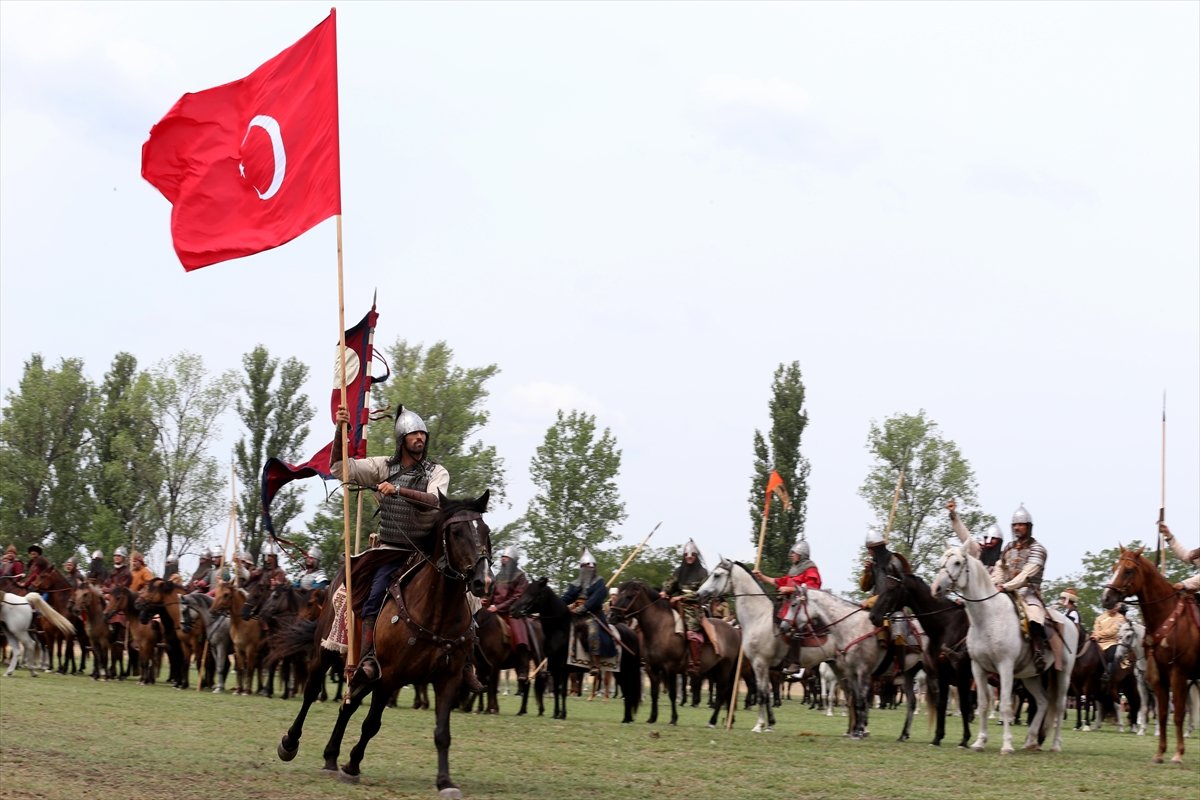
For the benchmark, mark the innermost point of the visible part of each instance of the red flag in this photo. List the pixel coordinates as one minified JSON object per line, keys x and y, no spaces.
{"x":360,"y":349}
{"x":253,"y":164}
{"x":775,"y":488}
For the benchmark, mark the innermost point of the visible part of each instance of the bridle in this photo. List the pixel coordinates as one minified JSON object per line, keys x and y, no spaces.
{"x":624,"y":612}
{"x":1125,"y":591}
{"x":955,"y":577}
{"x":482,"y":552}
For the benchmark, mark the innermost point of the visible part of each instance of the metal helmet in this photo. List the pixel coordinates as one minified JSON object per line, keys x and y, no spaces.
{"x":314,"y":552}
{"x":408,"y":422}
{"x":511,"y":552}
{"x":121,"y":551}
{"x":994,"y":532}
{"x":690,"y":549}
{"x":70,"y":561}
{"x":875,"y":538}
{"x":214,"y":552}
{"x":1022,"y":516}
{"x":800,"y":548}
{"x":587,"y":557}
{"x":98,"y":554}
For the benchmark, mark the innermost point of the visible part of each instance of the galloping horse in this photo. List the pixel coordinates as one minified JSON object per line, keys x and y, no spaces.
{"x":996,"y":645}
{"x":556,"y":620}
{"x":16,"y":615}
{"x":665,"y":653}
{"x":1172,"y":638}
{"x":761,"y":642}
{"x":946,"y":625}
{"x":424,"y":634}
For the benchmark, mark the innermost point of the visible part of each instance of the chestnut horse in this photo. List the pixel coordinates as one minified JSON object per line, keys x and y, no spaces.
{"x":424,"y":634}
{"x":245,"y":633}
{"x":88,"y":604}
{"x":51,"y":584}
{"x":161,"y":597}
{"x":1172,"y":637}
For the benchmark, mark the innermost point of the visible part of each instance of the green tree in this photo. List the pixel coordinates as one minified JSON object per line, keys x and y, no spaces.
{"x":193,"y":494}
{"x":934,"y":471}
{"x":124,"y":475}
{"x":450,"y":399}
{"x":780,"y":451}
{"x":276,"y":415}
{"x":44,"y":454}
{"x":577,"y":503}
{"x":325,"y":531}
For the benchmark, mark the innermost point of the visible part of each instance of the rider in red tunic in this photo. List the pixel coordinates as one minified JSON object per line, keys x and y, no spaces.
{"x":803,"y":572}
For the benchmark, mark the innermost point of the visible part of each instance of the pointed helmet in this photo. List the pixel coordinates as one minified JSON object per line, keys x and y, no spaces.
{"x":1022,"y":516}
{"x":408,"y":422}
{"x":690,"y":549}
{"x":587,"y":557}
{"x":314,"y":552}
{"x":800,"y":548}
{"x":875,"y":538}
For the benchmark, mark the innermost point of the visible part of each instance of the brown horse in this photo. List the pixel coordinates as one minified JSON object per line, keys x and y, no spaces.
{"x":424,"y":634}
{"x":665,"y":653}
{"x":143,"y":636}
{"x":497,"y":650}
{"x":51,"y":584}
{"x":1172,"y":637}
{"x":88,"y":604}
{"x":161,"y":597}
{"x":245,"y":633}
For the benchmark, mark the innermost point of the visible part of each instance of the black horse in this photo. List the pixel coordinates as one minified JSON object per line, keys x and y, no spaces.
{"x":425,"y":634}
{"x":945,"y":622}
{"x":557,"y":619}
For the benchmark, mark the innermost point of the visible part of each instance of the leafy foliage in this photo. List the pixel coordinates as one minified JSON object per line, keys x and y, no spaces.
{"x":577,"y":504}
{"x":1096,"y":571}
{"x":934,"y":471}
{"x":780,"y":451}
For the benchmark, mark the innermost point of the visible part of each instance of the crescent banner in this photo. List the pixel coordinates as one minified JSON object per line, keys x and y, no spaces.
{"x":252,"y":164}
{"x":360,"y":348}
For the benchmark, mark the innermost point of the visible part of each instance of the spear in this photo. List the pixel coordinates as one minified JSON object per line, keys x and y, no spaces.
{"x":631,"y":556}
{"x":895,"y":502}
{"x":1162,"y":503}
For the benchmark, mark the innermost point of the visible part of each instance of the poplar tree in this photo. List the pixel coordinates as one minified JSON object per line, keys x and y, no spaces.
{"x":780,"y":451}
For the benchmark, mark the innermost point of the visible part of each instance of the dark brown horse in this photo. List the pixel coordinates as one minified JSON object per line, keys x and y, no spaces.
{"x":1172,"y":637}
{"x":51,"y":584}
{"x":424,"y":634}
{"x":143,"y":636}
{"x":497,"y":649}
{"x":88,"y":604}
{"x":161,"y":597}
{"x":665,"y":653}
{"x":1092,"y":702}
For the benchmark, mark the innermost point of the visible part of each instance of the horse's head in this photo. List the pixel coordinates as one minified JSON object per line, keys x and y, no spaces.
{"x":1126,"y":578}
{"x":717,"y":582}
{"x":463,"y":550}
{"x":632,"y":598}
{"x":223,"y":597}
{"x":953,"y":572}
{"x":257,"y":594}
{"x":118,"y":601}
{"x":890,"y":598}
{"x":531,"y":599}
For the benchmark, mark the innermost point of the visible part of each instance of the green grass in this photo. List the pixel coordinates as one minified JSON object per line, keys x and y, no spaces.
{"x":64,"y":737}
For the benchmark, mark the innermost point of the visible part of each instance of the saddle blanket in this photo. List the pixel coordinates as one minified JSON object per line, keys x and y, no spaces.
{"x":337,"y":640}
{"x":578,"y":656}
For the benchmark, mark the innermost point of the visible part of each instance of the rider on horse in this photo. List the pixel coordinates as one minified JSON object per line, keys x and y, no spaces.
{"x":1185,"y":555}
{"x":802,"y":572}
{"x":586,"y":595}
{"x":681,"y":589}
{"x":509,"y":586}
{"x":990,"y":542}
{"x":314,"y":576}
{"x":406,"y":484}
{"x":1019,"y":570}
{"x":120,"y":575}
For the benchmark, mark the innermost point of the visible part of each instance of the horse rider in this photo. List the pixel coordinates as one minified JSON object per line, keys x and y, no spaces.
{"x":881,"y":565}
{"x":510,"y":584}
{"x":1185,"y":555}
{"x":10,"y":565}
{"x":97,"y":573}
{"x":120,"y":574}
{"x":802,"y":572}
{"x":314,"y":576}
{"x":72,"y":574}
{"x":208,"y":574}
{"x":271,"y":572}
{"x":36,"y":565}
{"x":681,"y":591}
{"x":140,"y":575}
{"x":586,"y":596}
{"x":1019,"y":571}
{"x":1106,"y":632}
{"x":990,"y":542}
{"x":171,"y":570}
{"x":406,"y":483}
{"x":1069,"y":600}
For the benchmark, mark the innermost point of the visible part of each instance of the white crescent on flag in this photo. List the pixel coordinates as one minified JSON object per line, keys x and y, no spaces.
{"x":271,"y":127}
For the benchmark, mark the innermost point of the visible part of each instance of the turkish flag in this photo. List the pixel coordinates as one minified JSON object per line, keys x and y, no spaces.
{"x":252,"y":164}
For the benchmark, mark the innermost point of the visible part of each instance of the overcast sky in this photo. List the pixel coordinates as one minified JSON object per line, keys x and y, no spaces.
{"x":987,"y":211}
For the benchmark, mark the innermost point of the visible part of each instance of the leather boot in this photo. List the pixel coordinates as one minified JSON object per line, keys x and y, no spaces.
{"x":470,"y":678}
{"x":694,"y":657}
{"x":368,"y":666}
{"x":1037,"y":641}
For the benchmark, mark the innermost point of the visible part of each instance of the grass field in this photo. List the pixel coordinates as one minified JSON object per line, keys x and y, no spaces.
{"x":69,"y":737}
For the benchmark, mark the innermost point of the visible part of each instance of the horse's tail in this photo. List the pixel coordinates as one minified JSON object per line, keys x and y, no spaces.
{"x":47,"y":611}
{"x":293,"y":639}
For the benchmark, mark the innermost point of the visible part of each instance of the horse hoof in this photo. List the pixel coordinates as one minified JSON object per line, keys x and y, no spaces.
{"x":1006,"y":751}
{"x":450,"y":793}
{"x":347,"y":778}
{"x":1156,"y":760}
{"x":1177,"y":760}
{"x":284,"y":753}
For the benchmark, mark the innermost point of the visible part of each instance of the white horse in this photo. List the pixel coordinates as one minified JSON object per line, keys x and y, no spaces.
{"x":996,"y":645}
{"x":1130,"y":645}
{"x":761,"y":644}
{"x":830,"y":689}
{"x":16,"y":617}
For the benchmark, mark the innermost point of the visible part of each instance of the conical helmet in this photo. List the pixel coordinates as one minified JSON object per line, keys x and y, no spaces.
{"x":690,"y":549}
{"x":511,"y":552}
{"x":314,"y":552}
{"x":587,"y":557}
{"x":121,"y":551}
{"x":875,"y":538}
{"x":98,"y":554}
{"x":214,"y":552}
{"x":800,"y":548}
{"x":1022,"y":516}
{"x":994,"y":532}
{"x":408,"y":422}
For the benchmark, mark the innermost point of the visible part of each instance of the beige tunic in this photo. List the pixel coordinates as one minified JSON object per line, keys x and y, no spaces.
{"x":1187,"y":556}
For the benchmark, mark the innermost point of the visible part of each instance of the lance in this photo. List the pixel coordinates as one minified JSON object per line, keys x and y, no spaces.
{"x":630,"y":557}
{"x":344,"y":433}
{"x":895,"y":502}
{"x":537,"y":669}
{"x":1162,"y":501}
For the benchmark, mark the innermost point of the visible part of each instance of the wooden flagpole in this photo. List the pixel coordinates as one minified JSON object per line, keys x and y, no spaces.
{"x":737,"y":673}
{"x":366,"y":371}
{"x":895,"y":502}
{"x":344,"y":432}
{"x":1162,"y":501}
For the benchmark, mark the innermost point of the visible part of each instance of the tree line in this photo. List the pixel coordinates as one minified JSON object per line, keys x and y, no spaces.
{"x":87,"y":466}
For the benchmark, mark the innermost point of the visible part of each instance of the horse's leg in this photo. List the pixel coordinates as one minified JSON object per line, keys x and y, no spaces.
{"x":1181,"y":691}
{"x":655,"y":681}
{"x":290,"y":744}
{"x":1042,"y":700}
{"x":910,"y":695}
{"x":350,"y":771}
{"x":447,"y":788}
{"x":983,"y":691}
{"x":761,"y":669}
